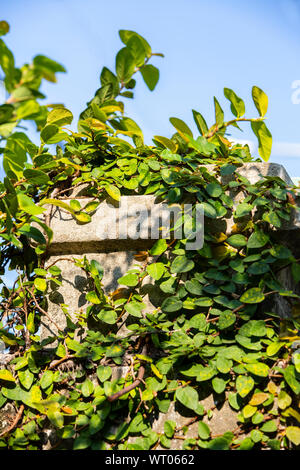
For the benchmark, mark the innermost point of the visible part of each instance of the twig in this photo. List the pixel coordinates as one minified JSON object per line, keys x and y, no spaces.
{"x":134,"y":384}
{"x":59,"y":361}
{"x":15,"y":422}
{"x":42,"y":310}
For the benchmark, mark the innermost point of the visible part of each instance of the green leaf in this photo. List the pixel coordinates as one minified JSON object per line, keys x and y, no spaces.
{"x":107,"y":316}
{"x":292,"y":378}
{"x":284,"y":400}
{"x":135,"y":308}
{"x":75,"y":205}
{"x":60,"y":116}
{"x":264,"y":137}
{"x":260,"y":100}
{"x":237,"y":104}
{"x":293,"y":434}
{"x":30,"y":322}
{"x":150,"y":75}
{"x":258,"y":369}
{"x":237,"y":241}
{"x":181,"y":264}
{"x":203,"y":431}
{"x":4,"y":28}
{"x":219,"y":113}
{"x":27,"y":205}
{"x":113,"y":192}
{"x":223,"y":365}
{"x":257,"y":239}
{"x":159,"y":247}
{"x":273,"y":348}
{"x":200,"y":122}
{"x":81,"y":443}
{"x":36,"y":177}
{"x":169,"y":428}
{"x":34,"y":233}
{"x":252,"y":296}
{"x":156,"y":270}
{"x":193,"y":287}
{"x":137,"y":49}
{"x":125,"y":65}
{"x":246,"y":444}
{"x":249,"y":411}
{"x":214,"y":189}
{"x":219,"y":443}
{"x":47,"y":379}
{"x":243,"y":209}
{"x":104,"y":373}
{"x":40,"y":284}
{"x":83,"y":218}
{"x":218,"y":384}
{"x":296,"y":359}
{"x":47,"y":67}
{"x":95,"y":424}
{"x":181,"y":126}
{"x":87,"y":388}
{"x":269,"y":426}
{"x":171,"y":304}
{"x":188,"y":396}
{"x":226,"y":320}
{"x":205,"y":373}
{"x":209,"y":210}
{"x":244,"y":385}
{"x":6,"y":375}
{"x":93,"y":297}
{"x":126,"y":35}
{"x":167,"y":143}
{"x":253,"y":328}
{"x":26,"y":378}
{"x":56,"y":418}
{"x":130,"y":280}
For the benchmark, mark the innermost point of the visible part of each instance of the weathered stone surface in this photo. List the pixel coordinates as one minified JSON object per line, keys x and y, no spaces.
{"x":7,"y":416}
{"x":223,"y":419}
{"x":111,"y":229}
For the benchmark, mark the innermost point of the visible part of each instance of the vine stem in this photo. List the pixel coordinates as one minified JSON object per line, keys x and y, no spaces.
{"x":228,"y":123}
{"x":59,"y":361}
{"x":15,"y":421}
{"x":136,"y":382}
{"x":42,"y":310}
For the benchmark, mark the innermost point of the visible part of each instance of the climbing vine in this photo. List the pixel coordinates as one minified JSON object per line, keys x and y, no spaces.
{"x":216,"y":330}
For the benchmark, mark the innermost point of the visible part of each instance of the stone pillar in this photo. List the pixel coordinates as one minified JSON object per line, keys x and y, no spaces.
{"x":116,"y":254}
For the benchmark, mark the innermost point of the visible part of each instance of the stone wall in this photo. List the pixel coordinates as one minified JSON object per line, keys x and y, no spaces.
{"x":115,"y":253}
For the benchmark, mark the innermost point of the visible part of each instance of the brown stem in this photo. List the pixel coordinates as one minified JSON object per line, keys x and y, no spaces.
{"x":43,"y":311}
{"x":59,"y":361}
{"x":15,"y":422}
{"x":134,"y":384}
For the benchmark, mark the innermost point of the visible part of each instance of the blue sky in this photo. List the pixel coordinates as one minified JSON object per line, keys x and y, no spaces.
{"x":208,"y":45}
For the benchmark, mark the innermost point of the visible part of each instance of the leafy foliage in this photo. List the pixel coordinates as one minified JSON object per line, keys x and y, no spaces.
{"x":212,"y":333}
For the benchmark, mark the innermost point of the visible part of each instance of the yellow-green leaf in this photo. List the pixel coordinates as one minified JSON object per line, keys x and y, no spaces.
{"x":249,"y":411}
{"x":6,"y":375}
{"x":260,"y":100}
{"x":264,"y":138}
{"x":113,"y":192}
{"x":258,"y":368}
{"x":258,"y":398}
{"x":60,"y":116}
{"x":293,"y":434}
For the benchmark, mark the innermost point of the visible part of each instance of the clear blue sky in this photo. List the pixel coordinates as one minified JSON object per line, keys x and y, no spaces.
{"x":207,"y":45}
